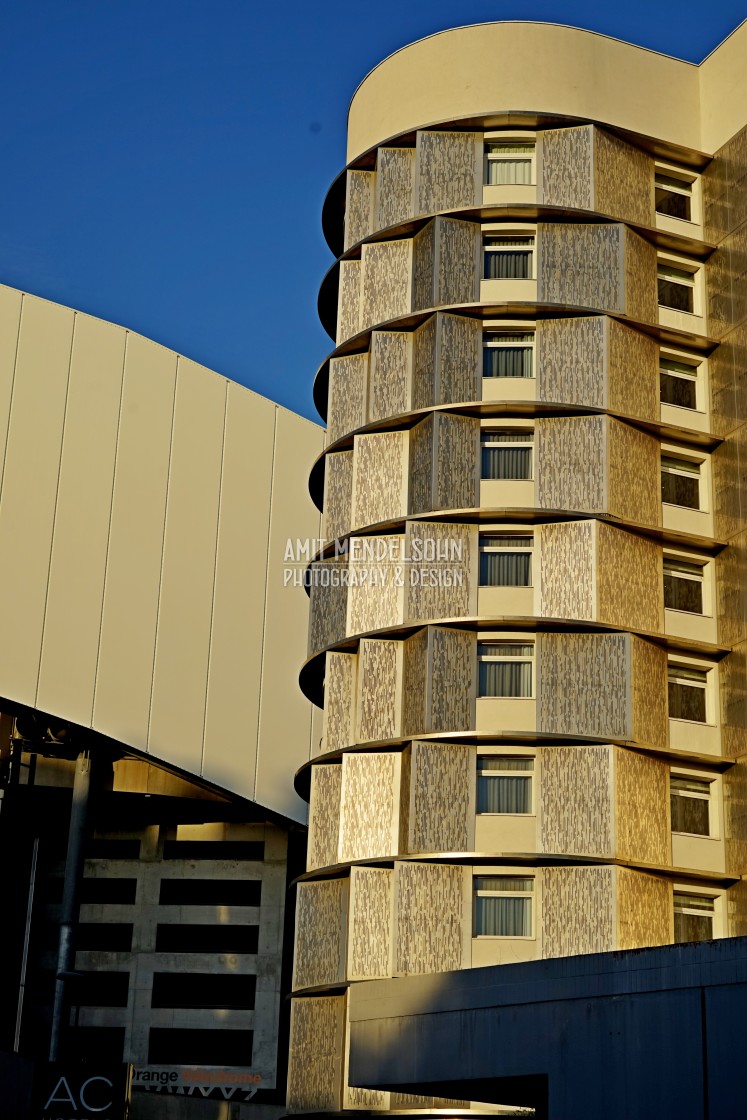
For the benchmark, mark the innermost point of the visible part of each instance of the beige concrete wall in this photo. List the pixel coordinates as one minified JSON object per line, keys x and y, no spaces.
{"x":145,"y":505}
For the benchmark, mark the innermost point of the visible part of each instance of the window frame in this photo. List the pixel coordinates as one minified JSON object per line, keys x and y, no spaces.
{"x":694,"y":777}
{"x":531,"y":895}
{"x":491,"y":340}
{"x":523,"y":658}
{"x":495,"y":775}
{"x":504,"y":550}
{"x":527,"y":143}
{"x":693,"y":891}
{"x":668,"y":460}
{"x":691,"y":187}
{"x":696,"y":378}
{"x":520,"y":441}
{"x":518,"y":236}
{"x":686,"y":273}
{"x":708,"y":685}
{"x":671,"y":559}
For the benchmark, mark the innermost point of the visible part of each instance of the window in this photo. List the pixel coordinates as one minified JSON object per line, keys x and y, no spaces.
{"x":121,"y":891}
{"x":506,"y":561}
{"x":673,"y":195}
{"x":180,"y":937}
{"x":683,"y":586}
{"x":680,"y":482}
{"x":693,"y":917}
{"x":504,"y":784}
{"x":502,"y":906}
{"x":687,"y":693}
{"x":210,"y":892}
{"x":214,"y":849}
{"x":508,"y":162}
{"x":505,"y":455}
{"x":505,"y":668}
{"x":507,"y":355}
{"x":676,"y":287}
{"x":690,"y":799}
{"x":203,"y":990}
{"x":508,"y":256}
{"x":678,"y":383}
{"x":212,"y":1046}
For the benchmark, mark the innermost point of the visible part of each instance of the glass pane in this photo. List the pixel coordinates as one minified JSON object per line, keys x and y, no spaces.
{"x":509,"y":147}
{"x":673,"y":203}
{"x":510,"y":463}
{"x":690,"y":814}
{"x":509,"y":264}
{"x":687,"y":702}
{"x":505,"y":678}
{"x":506,"y":361}
{"x":680,"y":391}
{"x":506,"y":542}
{"x":515,"y":884}
{"x":686,"y":901}
{"x":678,"y":490}
{"x":690,"y":785}
{"x":502,"y":762}
{"x":516,"y":436}
{"x":509,"y":171}
{"x":503,"y":917}
{"x":505,"y":649}
{"x":683,"y":594}
{"x":505,"y":569}
{"x":504,"y":795}
{"x":692,"y":927}
{"x":677,"y":296}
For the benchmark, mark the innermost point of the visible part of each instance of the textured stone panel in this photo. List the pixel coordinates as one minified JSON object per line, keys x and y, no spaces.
{"x":328,"y":604}
{"x":369,"y":813}
{"x":642,"y":829}
{"x":395,"y":185}
{"x":641,"y":291}
{"x":415,"y":679}
{"x":570,"y":361}
{"x":315,"y":1060}
{"x":736,"y":910}
{"x":629,"y":580}
{"x":577,"y":911}
{"x":370,"y":926}
{"x":562,"y":549}
{"x":388,"y":389}
{"x":367,"y":1099}
{"x":386,"y":281}
{"x":448,"y":172}
{"x":346,"y":409}
{"x":424,"y":364}
{"x":349,"y":300}
{"x":376,"y":592}
{"x":324,"y":816}
{"x":732,"y":672}
{"x":725,"y":416}
{"x":716,"y":217}
{"x":634,"y":465}
{"x":458,"y":254}
{"x":421,"y":463}
{"x":338,"y":494}
{"x":644,"y":910}
{"x":575,"y":801}
{"x":340,"y":687}
{"x":735,"y":818}
{"x":583,"y":685}
{"x":460,"y":359}
{"x":649,"y":693}
{"x":566,"y":174}
{"x":441,"y":813}
{"x":424,"y":267}
{"x":442,"y":588}
{"x":379,"y":478}
{"x":379,"y":685}
{"x":359,"y":202}
{"x":624,"y":180}
{"x":569,"y":455}
{"x":404,"y":800}
{"x":633,"y":372}
{"x":428,"y":916}
{"x":451,"y":679}
{"x":581,"y":266}
{"x":731,"y":588}
{"x":718,"y":290}
{"x":727,"y":497}
{"x":319,"y":953}
{"x":457,"y":451}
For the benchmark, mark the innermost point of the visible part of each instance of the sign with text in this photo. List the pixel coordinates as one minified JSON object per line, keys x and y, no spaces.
{"x":229,"y":1083}
{"x":80,"y":1091}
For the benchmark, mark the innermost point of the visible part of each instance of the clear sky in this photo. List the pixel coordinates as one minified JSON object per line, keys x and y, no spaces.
{"x":164,"y":162}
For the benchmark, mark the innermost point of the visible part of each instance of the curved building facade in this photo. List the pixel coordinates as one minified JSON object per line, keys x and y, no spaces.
{"x":528,"y":621}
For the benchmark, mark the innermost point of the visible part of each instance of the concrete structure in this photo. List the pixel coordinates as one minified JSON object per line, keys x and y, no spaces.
{"x":529,"y":638}
{"x":149,"y":630}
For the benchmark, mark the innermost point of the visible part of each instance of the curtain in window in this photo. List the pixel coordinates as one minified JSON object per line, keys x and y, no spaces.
{"x":505,"y":678}
{"x":505,"y":569}
{"x":687,"y":702}
{"x":504,"y":794}
{"x":503,"y":917}
{"x":508,"y":265}
{"x":506,"y":361}
{"x":506,"y":462}
{"x":509,"y":172}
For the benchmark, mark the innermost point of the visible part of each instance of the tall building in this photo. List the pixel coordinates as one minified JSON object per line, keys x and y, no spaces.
{"x":529,"y":625}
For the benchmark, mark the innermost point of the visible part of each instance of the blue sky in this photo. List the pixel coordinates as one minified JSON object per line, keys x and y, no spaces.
{"x":164,"y":162}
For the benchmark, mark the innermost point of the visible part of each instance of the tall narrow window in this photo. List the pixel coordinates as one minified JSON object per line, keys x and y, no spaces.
{"x":506,"y":455}
{"x":676,"y":288}
{"x":678,"y":383}
{"x":504,"y":784}
{"x":508,"y":256}
{"x":683,"y":586}
{"x":502,"y":906}
{"x":508,"y":162}
{"x":506,"y":561}
{"x":507,"y":355}
{"x":505,"y":668}
{"x":690,"y":799}
{"x":673,"y":195}
{"x":693,"y":917}
{"x":688,"y":693}
{"x":680,"y":482}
